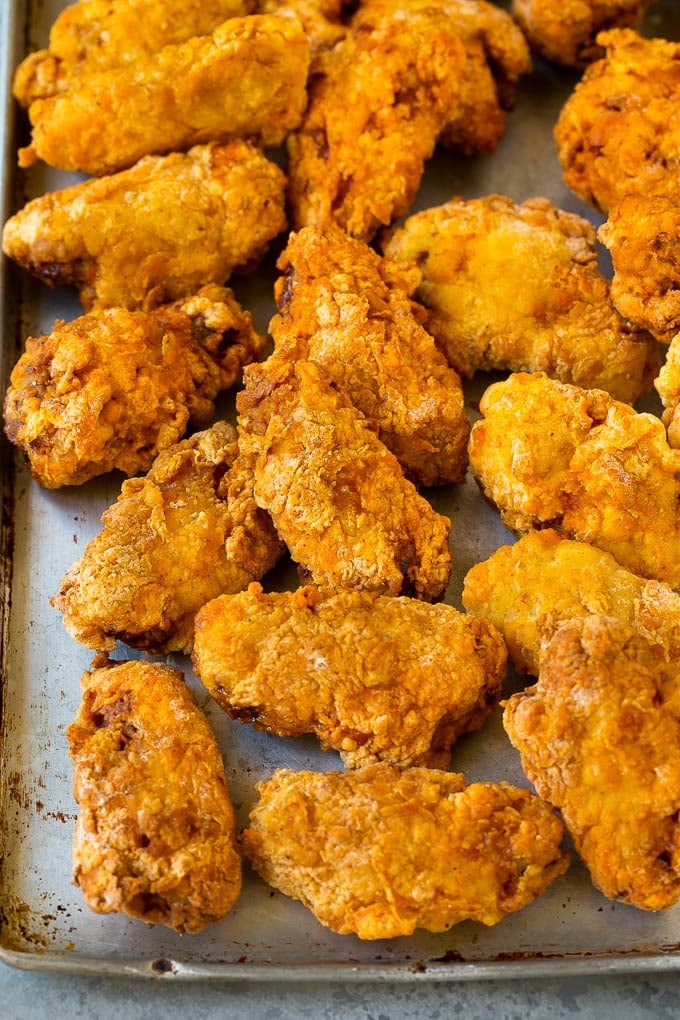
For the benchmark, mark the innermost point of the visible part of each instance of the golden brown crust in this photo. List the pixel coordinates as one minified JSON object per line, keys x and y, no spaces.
{"x":668,"y":387}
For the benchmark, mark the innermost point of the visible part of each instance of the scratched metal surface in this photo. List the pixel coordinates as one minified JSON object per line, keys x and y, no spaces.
{"x":44,"y":923}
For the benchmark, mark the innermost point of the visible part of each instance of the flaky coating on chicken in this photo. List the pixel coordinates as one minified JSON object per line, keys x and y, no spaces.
{"x":668,"y":387}
{"x":156,"y":232}
{"x":155,"y":835}
{"x":343,"y":307}
{"x":548,"y":454}
{"x":379,"y":852}
{"x":619,"y":131}
{"x":376,"y":107}
{"x":599,"y":736}
{"x":544,"y":578}
{"x":111,"y":389}
{"x":185,"y":533}
{"x":564,"y":31}
{"x":517,"y":287}
{"x":246,"y":80}
{"x":336,"y":494}
{"x":93,"y":35}
{"x":325,"y":22}
{"x":375,"y":678}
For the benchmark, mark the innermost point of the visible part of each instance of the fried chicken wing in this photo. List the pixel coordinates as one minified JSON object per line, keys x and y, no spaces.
{"x":599,"y":737}
{"x":548,"y":454}
{"x":379,"y":852}
{"x":343,"y":307}
{"x":156,"y":232}
{"x":336,"y":494}
{"x":247,"y":80}
{"x":113,"y":388}
{"x":155,"y":835}
{"x":517,"y":286}
{"x":93,"y":35}
{"x":374,"y":677}
{"x":668,"y":387}
{"x":185,"y":533}
{"x":618,"y":133}
{"x":544,"y":577}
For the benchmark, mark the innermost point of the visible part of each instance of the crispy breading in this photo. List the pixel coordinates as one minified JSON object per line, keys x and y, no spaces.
{"x":564,"y":31}
{"x":599,"y":737}
{"x":113,"y":388}
{"x":517,"y":287}
{"x":155,"y":835}
{"x":545,"y":577}
{"x":668,"y":387}
{"x":324,"y":22}
{"x":185,"y":533}
{"x":380,"y":852}
{"x":246,"y":80}
{"x":619,"y":131}
{"x":94,"y":35}
{"x":548,"y":454}
{"x":156,"y":232}
{"x":336,"y":494}
{"x":376,"y":678}
{"x":343,"y":307}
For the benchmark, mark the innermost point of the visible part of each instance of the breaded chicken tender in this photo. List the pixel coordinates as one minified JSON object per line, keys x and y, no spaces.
{"x":564,"y":31}
{"x":379,"y":852}
{"x":516,"y":287}
{"x":185,"y":533}
{"x":93,"y":35}
{"x":668,"y":387}
{"x":154,"y":233}
{"x":548,"y":454}
{"x":376,"y":678}
{"x":155,"y":835}
{"x":618,"y":133}
{"x":343,"y":307}
{"x":113,"y":388}
{"x":599,"y":737}
{"x":336,"y":494}
{"x":246,"y":80}
{"x":544,"y":577}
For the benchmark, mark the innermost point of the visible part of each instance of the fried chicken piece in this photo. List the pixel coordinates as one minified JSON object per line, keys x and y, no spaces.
{"x":155,"y":835}
{"x":565,"y":33}
{"x":113,"y":388}
{"x":379,"y":852}
{"x":618,"y":133}
{"x":343,"y":307}
{"x":548,"y":454}
{"x":668,"y":387}
{"x":599,"y":736}
{"x":544,"y":577}
{"x":324,"y":22}
{"x":156,"y":232}
{"x":182,"y":535}
{"x":376,"y":107}
{"x":94,"y":35}
{"x":376,"y":678}
{"x":246,"y":80}
{"x":336,"y":494}
{"x":517,"y":287}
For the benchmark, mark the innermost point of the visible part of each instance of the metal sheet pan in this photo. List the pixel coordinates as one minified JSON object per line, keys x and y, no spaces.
{"x":44,"y":923}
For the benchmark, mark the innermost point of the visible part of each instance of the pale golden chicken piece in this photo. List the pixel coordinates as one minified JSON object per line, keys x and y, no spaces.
{"x":185,"y":533}
{"x":546,"y":578}
{"x":618,"y":133}
{"x":113,"y":388}
{"x":517,"y":287}
{"x":155,"y":836}
{"x":379,"y":852}
{"x":336,"y":494}
{"x":93,"y":35}
{"x":548,"y":454}
{"x":599,"y":737}
{"x":564,"y":31}
{"x":154,"y":233}
{"x":246,"y":80}
{"x":668,"y":387}
{"x":373,"y":677}
{"x":324,"y":22}
{"x":343,"y":307}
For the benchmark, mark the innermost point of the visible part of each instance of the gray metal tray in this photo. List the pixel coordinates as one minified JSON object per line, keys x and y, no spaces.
{"x":44,"y":923}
